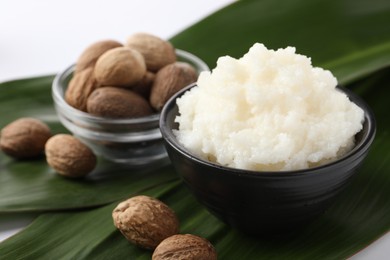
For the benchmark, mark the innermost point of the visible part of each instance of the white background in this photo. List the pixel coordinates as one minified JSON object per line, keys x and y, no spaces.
{"x":43,"y":37}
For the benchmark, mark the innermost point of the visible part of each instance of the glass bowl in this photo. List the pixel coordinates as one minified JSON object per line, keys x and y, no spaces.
{"x":265,"y":202}
{"x":134,"y":141}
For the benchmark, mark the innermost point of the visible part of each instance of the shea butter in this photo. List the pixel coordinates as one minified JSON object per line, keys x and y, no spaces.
{"x":269,"y":110}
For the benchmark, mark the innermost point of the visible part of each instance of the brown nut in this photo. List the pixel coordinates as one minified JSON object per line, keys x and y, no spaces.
{"x":69,"y":157}
{"x":184,"y":247}
{"x":156,"y":51}
{"x":91,"y":54}
{"x":144,"y":86}
{"x":120,"y":67}
{"x":79,"y":88}
{"x":24,"y":138}
{"x":117,"y":103}
{"x":145,"y":221}
{"x":170,"y":80}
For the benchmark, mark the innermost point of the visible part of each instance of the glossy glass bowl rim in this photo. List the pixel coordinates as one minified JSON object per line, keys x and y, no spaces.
{"x":60,"y":101}
{"x":349,"y":157}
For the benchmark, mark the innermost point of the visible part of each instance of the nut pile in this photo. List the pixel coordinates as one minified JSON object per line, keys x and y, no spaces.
{"x":128,"y":80}
{"x":27,"y":138}
{"x":149,"y":223}
{"x":112,"y":80}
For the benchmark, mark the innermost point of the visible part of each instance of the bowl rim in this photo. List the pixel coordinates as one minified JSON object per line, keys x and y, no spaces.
{"x":58,"y":96}
{"x":360,"y":148}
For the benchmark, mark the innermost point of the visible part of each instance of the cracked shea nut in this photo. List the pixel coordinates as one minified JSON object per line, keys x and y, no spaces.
{"x":115,"y":102}
{"x":145,"y":221}
{"x":184,"y":247}
{"x":24,"y":138}
{"x":156,"y":51}
{"x":91,"y":54}
{"x":120,"y":66}
{"x":69,"y":157}
{"x":170,"y":80}
{"x":79,"y":88}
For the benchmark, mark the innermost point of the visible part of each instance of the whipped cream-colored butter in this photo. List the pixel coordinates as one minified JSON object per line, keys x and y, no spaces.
{"x":270,"y":110}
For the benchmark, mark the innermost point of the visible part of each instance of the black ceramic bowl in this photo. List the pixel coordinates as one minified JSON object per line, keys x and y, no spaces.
{"x":263,"y":202}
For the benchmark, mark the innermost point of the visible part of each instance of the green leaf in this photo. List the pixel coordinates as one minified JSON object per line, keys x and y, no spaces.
{"x":33,"y":186}
{"x":25,"y":98}
{"x":351,"y":38}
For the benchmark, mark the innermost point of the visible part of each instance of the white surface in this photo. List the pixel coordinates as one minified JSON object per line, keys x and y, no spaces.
{"x":43,"y":37}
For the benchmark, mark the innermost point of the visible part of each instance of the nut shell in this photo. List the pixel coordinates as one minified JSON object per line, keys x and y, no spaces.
{"x":144,"y":86}
{"x":117,"y":103}
{"x":79,"y":88}
{"x":145,"y":221}
{"x":120,"y":67}
{"x":69,"y":157}
{"x":24,"y":138}
{"x":156,"y":51}
{"x":91,"y":54}
{"x":170,"y":80}
{"x":184,"y":247}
